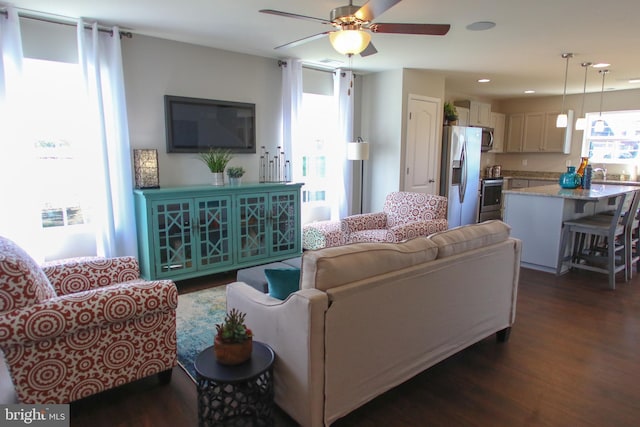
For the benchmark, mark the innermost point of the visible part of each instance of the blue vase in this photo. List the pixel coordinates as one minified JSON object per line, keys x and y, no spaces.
{"x":570,"y":179}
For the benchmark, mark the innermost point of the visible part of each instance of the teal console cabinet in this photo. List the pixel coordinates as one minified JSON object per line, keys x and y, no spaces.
{"x":186,"y":232}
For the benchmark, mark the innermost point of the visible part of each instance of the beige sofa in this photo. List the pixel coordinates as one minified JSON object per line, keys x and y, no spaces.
{"x":369,"y":316}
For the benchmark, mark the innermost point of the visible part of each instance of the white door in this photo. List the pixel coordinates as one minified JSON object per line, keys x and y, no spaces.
{"x":422,"y":153}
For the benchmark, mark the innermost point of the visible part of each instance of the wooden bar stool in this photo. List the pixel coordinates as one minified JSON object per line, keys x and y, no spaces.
{"x":595,"y":243}
{"x":630,"y":219}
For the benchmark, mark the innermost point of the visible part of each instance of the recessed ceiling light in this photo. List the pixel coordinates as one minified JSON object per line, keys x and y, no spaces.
{"x":600,"y":65}
{"x":529,"y":91}
{"x":634,"y":80}
{"x":484,"y":80}
{"x":481,"y":26}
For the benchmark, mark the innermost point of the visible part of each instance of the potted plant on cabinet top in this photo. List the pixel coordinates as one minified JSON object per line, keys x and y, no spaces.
{"x":235,"y":174}
{"x":450,"y":113}
{"x":234,"y":341}
{"x":216,"y":160}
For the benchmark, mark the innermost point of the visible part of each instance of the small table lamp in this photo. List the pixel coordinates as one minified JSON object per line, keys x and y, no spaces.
{"x":145,"y":165}
{"x":359,"y":150}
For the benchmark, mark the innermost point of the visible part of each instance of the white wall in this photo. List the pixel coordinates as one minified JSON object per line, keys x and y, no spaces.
{"x":382,"y":127}
{"x":155,"y":67}
{"x":384,"y":104}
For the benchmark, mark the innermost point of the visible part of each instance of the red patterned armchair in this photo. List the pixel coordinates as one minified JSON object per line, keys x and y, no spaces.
{"x":404,"y":216}
{"x":76,"y":327}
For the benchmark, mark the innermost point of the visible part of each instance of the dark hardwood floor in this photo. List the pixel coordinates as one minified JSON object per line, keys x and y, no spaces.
{"x":572,"y":360}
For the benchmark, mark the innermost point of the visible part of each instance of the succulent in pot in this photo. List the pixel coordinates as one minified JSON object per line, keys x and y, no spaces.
{"x":233,"y":341}
{"x":235,"y":171}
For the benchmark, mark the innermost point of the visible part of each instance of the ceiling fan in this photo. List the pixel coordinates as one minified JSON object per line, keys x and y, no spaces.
{"x":352,"y":24}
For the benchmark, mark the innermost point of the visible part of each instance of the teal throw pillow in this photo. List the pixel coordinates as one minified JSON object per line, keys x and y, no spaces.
{"x":282,"y":281}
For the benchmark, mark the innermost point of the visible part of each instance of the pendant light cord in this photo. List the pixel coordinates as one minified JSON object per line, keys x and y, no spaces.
{"x":584,"y":87}
{"x":604,"y":73}
{"x":567,"y":56}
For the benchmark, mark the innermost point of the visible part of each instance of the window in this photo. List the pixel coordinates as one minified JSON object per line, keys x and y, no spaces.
{"x":318,"y":128}
{"x":62,"y":155}
{"x":613,"y":137}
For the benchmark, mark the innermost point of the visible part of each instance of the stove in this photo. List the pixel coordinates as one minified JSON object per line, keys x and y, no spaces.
{"x":490,"y":199}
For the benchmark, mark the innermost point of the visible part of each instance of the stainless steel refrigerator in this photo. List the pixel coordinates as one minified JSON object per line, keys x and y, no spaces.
{"x":460,"y":173}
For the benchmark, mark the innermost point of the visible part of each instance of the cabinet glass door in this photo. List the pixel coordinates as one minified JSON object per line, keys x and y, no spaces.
{"x":174,"y":246}
{"x":214,"y":231}
{"x":252,"y":226}
{"x":284,"y":223}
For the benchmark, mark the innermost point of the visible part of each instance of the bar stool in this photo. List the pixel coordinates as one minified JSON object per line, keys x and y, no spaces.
{"x":584,"y":238}
{"x":630,"y":219}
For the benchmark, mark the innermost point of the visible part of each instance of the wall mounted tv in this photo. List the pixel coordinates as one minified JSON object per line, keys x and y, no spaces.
{"x":195,"y":125}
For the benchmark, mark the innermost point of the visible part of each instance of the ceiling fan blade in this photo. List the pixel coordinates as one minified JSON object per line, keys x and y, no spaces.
{"x":374,"y":8}
{"x":424,"y":29}
{"x":302,"y":41}
{"x":369,"y":50}
{"x":295,"y":15}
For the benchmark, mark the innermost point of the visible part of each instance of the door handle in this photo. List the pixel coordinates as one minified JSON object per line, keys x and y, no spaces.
{"x":432,"y":180}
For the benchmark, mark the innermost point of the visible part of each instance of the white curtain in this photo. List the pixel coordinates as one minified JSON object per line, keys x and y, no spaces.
{"x":343,"y":90}
{"x":19,"y":213}
{"x":101,"y":61}
{"x":291,"y":102}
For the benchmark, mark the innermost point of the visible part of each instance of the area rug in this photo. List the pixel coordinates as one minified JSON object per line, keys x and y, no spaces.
{"x":196,"y":317}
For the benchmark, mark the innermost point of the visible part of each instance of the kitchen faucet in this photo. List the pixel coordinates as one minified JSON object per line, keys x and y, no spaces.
{"x":603,"y":170}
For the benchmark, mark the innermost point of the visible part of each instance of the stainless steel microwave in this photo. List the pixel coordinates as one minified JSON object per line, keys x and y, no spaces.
{"x":487,"y":139}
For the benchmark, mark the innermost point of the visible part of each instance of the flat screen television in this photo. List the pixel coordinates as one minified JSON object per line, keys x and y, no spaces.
{"x":196,"y":125}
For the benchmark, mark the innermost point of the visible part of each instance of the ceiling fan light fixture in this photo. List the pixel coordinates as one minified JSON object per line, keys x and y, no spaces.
{"x":349,"y":42}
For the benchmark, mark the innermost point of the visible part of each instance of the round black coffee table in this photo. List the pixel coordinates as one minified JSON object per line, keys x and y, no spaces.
{"x":240,"y":395}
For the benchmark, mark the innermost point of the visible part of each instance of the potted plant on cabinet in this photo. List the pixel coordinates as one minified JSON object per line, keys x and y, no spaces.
{"x":235,"y":174}
{"x":234,"y":341}
{"x":450,"y":113}
{"x":216,"y":160}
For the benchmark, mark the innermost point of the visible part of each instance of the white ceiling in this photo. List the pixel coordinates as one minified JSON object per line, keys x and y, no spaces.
{"x":523,"y":51}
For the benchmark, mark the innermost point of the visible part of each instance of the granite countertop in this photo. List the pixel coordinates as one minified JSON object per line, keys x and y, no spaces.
{"x":597,"y":191}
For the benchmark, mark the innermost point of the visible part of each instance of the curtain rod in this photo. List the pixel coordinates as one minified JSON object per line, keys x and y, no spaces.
{"x":282,"y":63}
{"x":60,"y":20}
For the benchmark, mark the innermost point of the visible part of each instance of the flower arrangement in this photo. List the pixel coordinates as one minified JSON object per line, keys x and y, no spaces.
{"x":233,"y":329}
{"x":235,"y":171}
{"x":216,"y":159}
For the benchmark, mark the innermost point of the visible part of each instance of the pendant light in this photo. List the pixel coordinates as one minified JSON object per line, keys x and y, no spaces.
{"x":561,"y":121}
{"x":581,"y":123}
{"x":599,"y":124}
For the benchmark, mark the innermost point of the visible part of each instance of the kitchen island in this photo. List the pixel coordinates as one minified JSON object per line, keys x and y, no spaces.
{"x":536,"y":215}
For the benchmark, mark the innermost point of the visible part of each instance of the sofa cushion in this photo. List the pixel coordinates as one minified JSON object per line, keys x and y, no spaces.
{"x":282,"y":281}
{"x":254,"y":276}
{"x":22,"y":281}
{"x":469,"y":237}
{"x":330,"y":267}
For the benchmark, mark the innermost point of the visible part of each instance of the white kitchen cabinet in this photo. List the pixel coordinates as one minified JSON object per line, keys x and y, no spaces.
{"x":536,"y":132}
{"x":533,"y":136}
{"x":515,"y":130}
{"x":479,"y":112}
{"x":498,"y":124}
{"x":557,"y":140}
{"x":463,"y":116}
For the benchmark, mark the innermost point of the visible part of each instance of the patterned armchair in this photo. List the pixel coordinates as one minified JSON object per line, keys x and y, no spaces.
{"x":405,"y":216}
{"x":80,"y":326}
